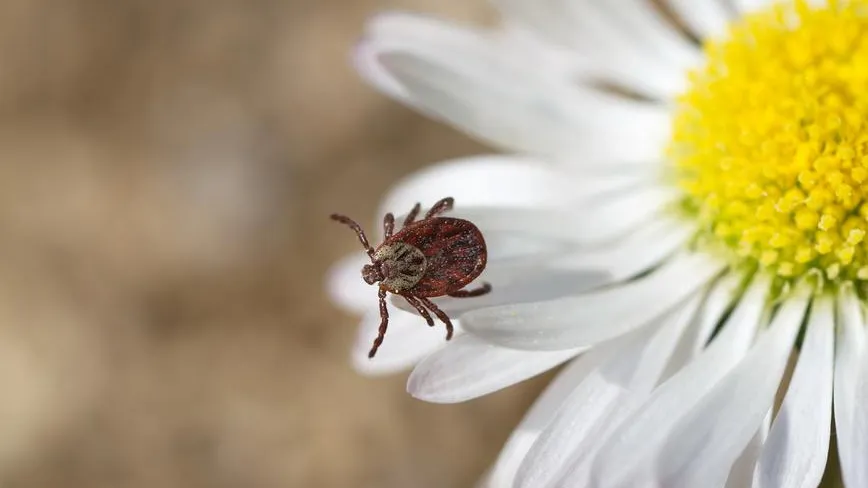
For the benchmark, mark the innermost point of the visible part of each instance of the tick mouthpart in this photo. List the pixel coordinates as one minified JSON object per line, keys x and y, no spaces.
{"x":371,"y":274}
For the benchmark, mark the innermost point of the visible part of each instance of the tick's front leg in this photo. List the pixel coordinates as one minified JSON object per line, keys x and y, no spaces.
{"x":388,"y":225}
{"x":441,"y":206}
{"x":411,"y":217}
{"x":357,"y":229}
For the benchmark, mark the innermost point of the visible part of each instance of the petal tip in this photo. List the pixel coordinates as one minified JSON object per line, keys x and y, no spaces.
{"x":417,"y":388}
{"x":421,"y":387}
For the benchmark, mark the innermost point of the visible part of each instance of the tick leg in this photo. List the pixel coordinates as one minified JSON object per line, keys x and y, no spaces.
{"x":440,"y":207}
{"x":411,"y":217}
{"x":388,"y":224}
{"x":353,"y":225}
{"x":482,"y":290}
{"x":419,"y":308}
{"x":384,"y":324}
{"x":440,"y":315}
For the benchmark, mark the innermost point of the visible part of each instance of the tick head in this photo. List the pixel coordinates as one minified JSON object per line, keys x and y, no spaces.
{"x":371,"y":274}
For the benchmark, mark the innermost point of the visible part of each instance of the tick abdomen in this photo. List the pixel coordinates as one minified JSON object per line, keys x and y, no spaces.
{"x":402,"y":265}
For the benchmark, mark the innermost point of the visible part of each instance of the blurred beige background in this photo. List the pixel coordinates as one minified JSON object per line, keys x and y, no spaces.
{"x":166,"y":172}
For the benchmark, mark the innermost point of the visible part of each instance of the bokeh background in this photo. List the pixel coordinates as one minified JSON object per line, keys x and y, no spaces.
{"x":166,"y":172}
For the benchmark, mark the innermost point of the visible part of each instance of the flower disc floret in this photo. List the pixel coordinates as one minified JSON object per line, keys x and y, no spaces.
{"x":770,"y":143}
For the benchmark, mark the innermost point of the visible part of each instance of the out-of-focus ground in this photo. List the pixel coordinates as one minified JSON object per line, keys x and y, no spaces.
{"x":166,"y":172}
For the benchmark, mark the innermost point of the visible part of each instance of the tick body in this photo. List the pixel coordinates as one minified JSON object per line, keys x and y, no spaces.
{"x":432,"y":257}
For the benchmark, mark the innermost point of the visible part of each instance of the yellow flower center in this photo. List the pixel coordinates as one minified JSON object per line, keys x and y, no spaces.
{"x":770,"y":144}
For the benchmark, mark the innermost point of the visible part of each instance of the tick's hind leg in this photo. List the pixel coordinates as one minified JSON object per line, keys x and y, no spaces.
{"x":419,"y":308}
{"x":482,"y":290}
{"x":411,"y":217}
{"x":440,"y":315}
{"x":384,"y":324}
{"x":440,"y":207}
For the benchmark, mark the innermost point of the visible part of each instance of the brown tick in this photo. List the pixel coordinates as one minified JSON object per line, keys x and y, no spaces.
{"x":433,"y":257}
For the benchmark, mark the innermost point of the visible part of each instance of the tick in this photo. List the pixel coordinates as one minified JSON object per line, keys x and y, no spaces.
{"x":432,"y":257}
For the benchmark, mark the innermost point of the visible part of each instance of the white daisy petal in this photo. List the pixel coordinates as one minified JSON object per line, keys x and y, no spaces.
{"x":447,"y":44}
{"x":517,"y":232}
{"x":442,"y":39}
{"x":515,"y":235}
{"x":641,"y":21}
{"x":537,"y":222}
{"x":624,"y":458}
{"x":589,"y":185}
{"x":595,"y":317}
{"x":576,"y":471}
{"x":633,"y":366}
{"x":614,"y":217}
{"x":670,"y":383}
{"x":595,"y":225}
{"x":542,"y":278}
{"x":512,"y":181}
{"x":706,"y":441}
{"x":426,"y":31}
{"x":462,"y":51}
{"x":408,"y":340}
{"x":552,"y":19}
{"x":365,"y":59}
{"x":601,"y":30}
{"x":529,"y":48}
{"x":345,"y":285}
{"x":503,"y":472}
{"x":851,"y":390}
{"x":706,"y":18}
{"x":509,"y":181}
{"x":634,"y":254}
{"x":519,"y":285}
{"x":523,"y":249}
{"x":517,"y":110}
{"x":511,"y":247}
{"x":717,"y":301}
{"x":741,"y":473}
{"x":470,"y":368}
{"x":437,"y":38}
{"x":538,"y":277}
{"x":748,"y":6}
{"x":797,"y":448}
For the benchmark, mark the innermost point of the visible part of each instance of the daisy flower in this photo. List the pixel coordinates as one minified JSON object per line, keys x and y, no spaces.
{"x":677,"y":216}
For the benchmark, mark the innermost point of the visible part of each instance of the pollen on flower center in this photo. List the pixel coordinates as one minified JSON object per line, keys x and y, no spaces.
{"x":770,"y":144}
